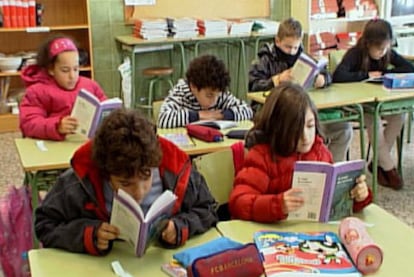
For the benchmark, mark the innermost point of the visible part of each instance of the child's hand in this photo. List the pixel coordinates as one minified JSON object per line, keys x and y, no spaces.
{"x":105,"y":233}
{"x":210,"y":115}
{"x":360,"y":191}
{"x":292,"y":200}
{"x":319,"y":81}
{"x":374,"y":74}
{"x":170,"y":233}
{"x":67,"y":125}
{"x":286,"y":76}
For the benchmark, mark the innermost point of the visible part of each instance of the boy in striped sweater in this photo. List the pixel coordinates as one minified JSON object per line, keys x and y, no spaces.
{"x":203,"y":95}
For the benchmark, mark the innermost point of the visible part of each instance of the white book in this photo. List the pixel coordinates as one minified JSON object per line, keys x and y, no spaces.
{"x":136,"y":228}
{"x":90,"y":112}
{"x":216,"y":124}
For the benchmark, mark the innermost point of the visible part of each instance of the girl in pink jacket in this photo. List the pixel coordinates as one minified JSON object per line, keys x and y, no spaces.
{"x":285,"y":131}
{"x":52,"y":85}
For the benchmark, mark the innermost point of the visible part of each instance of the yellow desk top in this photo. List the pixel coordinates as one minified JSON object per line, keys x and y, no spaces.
{"x":202,"y":147}
{"x":337,"y":95}
{"x":54,"y":262}
{"x":394,"y":237}
{"x":57,"y":156}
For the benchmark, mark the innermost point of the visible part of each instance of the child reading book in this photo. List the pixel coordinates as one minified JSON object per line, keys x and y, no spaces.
{"x":51,"y":88}
{"x":373,"y":57}
{"x":263,"y":187}
{"x":125,"y":154}
{"x":275,"y":64}
{"x":203,"y":95}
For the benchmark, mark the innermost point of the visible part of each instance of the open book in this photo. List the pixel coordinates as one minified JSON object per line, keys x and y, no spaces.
{"x":306,"y":68}
{"x":136,"y":228}
{"x":303,"y":254}
{"x":326,"y":189}
{"x":376,"y":80}
{"x":216,"y":124}
{"x":182,"y":140}
{"x":90,"y":111}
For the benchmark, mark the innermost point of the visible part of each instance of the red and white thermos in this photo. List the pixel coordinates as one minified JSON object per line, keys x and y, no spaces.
{"x":365,"y":253}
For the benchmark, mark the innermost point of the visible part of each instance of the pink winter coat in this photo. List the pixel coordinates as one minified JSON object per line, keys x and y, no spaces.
{"x":45,"y":103}
{"x":259,"y":186}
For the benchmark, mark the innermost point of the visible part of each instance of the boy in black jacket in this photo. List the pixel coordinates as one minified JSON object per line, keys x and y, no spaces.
{"x":125,"y":153}
{"x":274,"y":66}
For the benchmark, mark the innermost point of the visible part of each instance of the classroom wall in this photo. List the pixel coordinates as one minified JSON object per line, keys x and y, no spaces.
{"x":107,"y":20}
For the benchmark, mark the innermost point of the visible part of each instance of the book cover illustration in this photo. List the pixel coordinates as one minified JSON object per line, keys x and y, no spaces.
{"x":326,"y":189}
{"x":303,"y":254}
{"x":174,"y":269}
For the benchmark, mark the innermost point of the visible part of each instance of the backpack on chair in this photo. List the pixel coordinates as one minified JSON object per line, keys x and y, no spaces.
{"x":16,"y":234}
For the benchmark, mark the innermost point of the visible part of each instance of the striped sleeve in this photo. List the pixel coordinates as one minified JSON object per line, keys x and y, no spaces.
{"x":175,"y":111}
{"x":240,"y":109}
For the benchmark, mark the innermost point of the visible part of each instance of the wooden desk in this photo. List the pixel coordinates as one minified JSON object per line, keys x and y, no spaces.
{"x":36,"y":162}
{"x":202,"y":147}
{"x":393,"y":236}
{"x":54,"y":262}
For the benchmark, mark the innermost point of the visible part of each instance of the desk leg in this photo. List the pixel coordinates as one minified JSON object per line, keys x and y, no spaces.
{"x":31,"y":180}
{"x":375,"y":150}
{"x":242,"y":60}
{"x":183,"y":60}
{"x":361,"y":129}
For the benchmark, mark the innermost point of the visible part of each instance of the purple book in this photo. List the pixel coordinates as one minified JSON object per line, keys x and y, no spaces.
{"x":90,"y":111}
{"x":326,"y":189}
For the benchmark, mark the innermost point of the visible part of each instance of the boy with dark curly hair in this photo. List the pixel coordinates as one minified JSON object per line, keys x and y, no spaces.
{"x":202,"y":95}
{"x":125,"y":153}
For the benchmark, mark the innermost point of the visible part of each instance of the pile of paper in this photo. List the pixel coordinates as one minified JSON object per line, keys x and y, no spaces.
{"x":182,"y":27}
{"x":150,"y":28}
{"x":212,"y":27}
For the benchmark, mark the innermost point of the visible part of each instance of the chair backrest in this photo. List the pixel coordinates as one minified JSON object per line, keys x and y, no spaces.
{"x":335,"y":57}
{"x":156,"y":107}
{"x":218,"y":170}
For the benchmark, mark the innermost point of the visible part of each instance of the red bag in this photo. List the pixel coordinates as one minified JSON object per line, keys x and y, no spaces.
{"x":243,"y":261}
{"x":204,"y":133}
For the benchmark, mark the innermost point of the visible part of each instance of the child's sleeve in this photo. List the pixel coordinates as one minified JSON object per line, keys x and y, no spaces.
{"x":233,"y":108}
{"x":198,"y":210}
{"x":173,"y":113}
{"x":348,"y":70}
{"x":34,"y":122}
{"x":400,"y":65}
{"x":250,"y":199}
{"x":260,"y":75}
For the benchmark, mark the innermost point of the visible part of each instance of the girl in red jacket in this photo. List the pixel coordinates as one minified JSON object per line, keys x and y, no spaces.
{"x":52,"y":85}
{"x":285,"y":131}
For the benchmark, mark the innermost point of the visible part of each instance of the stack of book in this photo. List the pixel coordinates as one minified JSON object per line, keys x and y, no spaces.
{"x":150,"y":28}
{"x":322,"y":41}
{"x":239,"y":27}
{"x":19,"y":13}
{"x":182,"y":27}
{"x":212,"y":27}
{"x":324,"y":9}
{"x":265,"y":26}
{"x":357,"y":8}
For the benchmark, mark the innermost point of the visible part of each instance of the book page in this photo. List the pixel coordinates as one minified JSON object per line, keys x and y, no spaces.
{"x":218,"y":124}
{"x":303,"y":72}
{"x":313,"y":186}
{"x":161,"y":205}
{"x":182,"y":140}
{"x":127,"y":216}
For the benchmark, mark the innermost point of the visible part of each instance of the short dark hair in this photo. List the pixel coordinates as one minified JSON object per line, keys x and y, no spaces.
{"x":43,"y":58}
{"x":289,"y":28}
{"x":375,"y":33}
{"x":126,"y":144}
{"x":208,"y":72}
{"x":281,"y":120}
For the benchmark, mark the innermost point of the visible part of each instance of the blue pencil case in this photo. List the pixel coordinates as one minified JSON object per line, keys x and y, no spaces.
{"x":399,"y":80}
